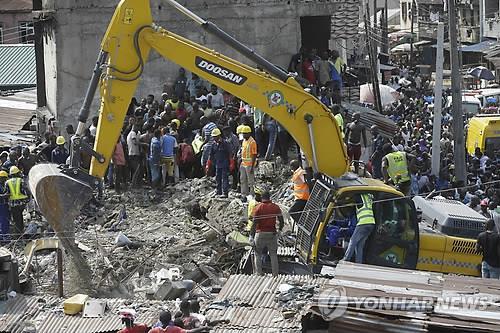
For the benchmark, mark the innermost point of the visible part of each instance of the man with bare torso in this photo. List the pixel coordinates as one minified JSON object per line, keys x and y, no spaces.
{"x":354,"y":132}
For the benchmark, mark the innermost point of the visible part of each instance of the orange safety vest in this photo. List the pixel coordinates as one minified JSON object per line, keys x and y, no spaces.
{"x":300,"y":188}
{"x":246,"y":156}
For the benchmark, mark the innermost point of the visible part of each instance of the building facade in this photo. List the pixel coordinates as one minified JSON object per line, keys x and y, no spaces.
{"x":16,"y":21}
{"x":491,"y":25}
{"x":429,"y":12}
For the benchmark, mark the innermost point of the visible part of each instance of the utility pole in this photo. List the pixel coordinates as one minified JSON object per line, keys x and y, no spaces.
{"x":413,"y":8}
{"x":438,"y":96}
{"x":386,"y":28}
{"x":482,"y":18}
{"x":373,"y":63}
{"x":458,"y":123}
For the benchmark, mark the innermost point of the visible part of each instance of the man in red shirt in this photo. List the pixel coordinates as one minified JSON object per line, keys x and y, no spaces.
{"x":308,"y":70}
{"x":128,"y":317}
{"x":264,"y":229}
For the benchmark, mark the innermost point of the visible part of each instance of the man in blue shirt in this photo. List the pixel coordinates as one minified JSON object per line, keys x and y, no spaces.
{"x":60,"y":153}
{"x":154,"y":160}
{"x":168,"y":151}
{"x":220,"y":152}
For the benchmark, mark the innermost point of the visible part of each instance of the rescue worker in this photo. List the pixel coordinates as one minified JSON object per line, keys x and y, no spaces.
{"x":395,"y":168}
{"x":4,"y":208}
{"x":60,"y":153}
{"x":220,"y":153}
{"x":338,"y":118}
{"x":363,"y":230}
{"x":300,"y":190}
{"x":128,"y":319}
{"x":265,"y":232}
{"x":248,"y":161}
{"x":17,"y":198}
{"x":251,"y":207}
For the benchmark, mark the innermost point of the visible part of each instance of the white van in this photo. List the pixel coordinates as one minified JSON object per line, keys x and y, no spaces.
{"x":471,"y":105}
{"x":483,"y":94}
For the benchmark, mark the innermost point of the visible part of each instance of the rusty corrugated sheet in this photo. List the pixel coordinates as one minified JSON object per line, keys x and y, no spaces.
{"x":21,"y":311}
{"x":110,"y":322}
{"x":353,"y":322}
{"x":47,"y":317}
{"x":418,"y":302}
{"x":369,"y":117}
{"x":252,"y":303}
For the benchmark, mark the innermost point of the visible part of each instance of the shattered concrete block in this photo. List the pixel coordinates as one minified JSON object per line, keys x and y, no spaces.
{"x":171,"y":290}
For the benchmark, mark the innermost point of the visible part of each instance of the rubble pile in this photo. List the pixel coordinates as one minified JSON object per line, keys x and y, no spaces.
{"x":138,"y":247}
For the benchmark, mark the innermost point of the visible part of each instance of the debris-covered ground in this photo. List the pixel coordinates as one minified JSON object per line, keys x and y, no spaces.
{"x":137,"y":246}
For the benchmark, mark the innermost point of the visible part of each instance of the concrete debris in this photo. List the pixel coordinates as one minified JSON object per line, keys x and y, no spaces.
{"x":169,"y":290}
{"x":122,"y":240}
{"x":94,"y":309}
{"x":140,"y":249}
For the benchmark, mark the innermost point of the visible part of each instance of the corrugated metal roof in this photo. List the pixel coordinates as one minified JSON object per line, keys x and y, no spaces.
{"x":147,"y":312}
{"x":19,"y":312}
{"x":47,"y":317}
{"x":16,"y":110}
{"x":419,"y":302}
{"x":345,"y":20}
{"x":17,"y":66}
{"x":252,"y":303}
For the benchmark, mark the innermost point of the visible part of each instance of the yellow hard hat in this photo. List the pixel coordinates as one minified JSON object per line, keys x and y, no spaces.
{"x":14,"y":170}
{"x":246,"y":129}
{"x":4,"y":174}
{"x":60,"y":140}
{"x":239,"y":128}
{"x":177,"y":122}
{"x":216,"y":132}
{"x":257,"y":190}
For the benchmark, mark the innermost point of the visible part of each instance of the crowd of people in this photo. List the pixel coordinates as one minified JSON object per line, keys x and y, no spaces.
{"x":187,"y":319}
{"x":193,"y":129}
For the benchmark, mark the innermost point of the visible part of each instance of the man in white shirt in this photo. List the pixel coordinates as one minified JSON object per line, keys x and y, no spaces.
{"x":134,"y":153}
{"x":215,"y":98}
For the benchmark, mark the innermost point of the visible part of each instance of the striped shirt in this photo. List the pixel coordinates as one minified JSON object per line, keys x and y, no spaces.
{"x":207,"y":131}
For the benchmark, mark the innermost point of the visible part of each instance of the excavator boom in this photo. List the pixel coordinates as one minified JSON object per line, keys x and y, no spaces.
{"x":125,"y":47}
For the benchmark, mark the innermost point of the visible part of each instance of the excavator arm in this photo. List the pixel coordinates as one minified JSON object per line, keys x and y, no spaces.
{"x":128,"y":41}
{"x":131,"y":34}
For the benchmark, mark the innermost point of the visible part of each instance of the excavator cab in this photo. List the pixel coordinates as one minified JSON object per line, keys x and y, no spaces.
{"x":329,"y":220}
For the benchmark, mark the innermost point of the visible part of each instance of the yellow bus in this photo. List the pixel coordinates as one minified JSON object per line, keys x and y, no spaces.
{"x":483,"y":131}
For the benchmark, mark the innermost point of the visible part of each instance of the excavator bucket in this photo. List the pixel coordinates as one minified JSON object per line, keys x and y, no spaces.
{"x":59,"y":196}
{"x":60,"y":199}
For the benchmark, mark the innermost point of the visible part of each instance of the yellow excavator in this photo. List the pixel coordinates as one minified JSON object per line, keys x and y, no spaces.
{"x":61,"y":191}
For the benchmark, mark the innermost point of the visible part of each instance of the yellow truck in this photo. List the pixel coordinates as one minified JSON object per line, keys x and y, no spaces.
{"x":483,"y":132}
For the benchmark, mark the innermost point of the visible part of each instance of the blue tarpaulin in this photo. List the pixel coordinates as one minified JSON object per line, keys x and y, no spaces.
{"x":484,"y":46}
{"x":479,"y":47}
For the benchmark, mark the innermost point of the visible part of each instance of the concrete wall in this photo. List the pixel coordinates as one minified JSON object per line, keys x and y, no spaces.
{"x":272,"y":27}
